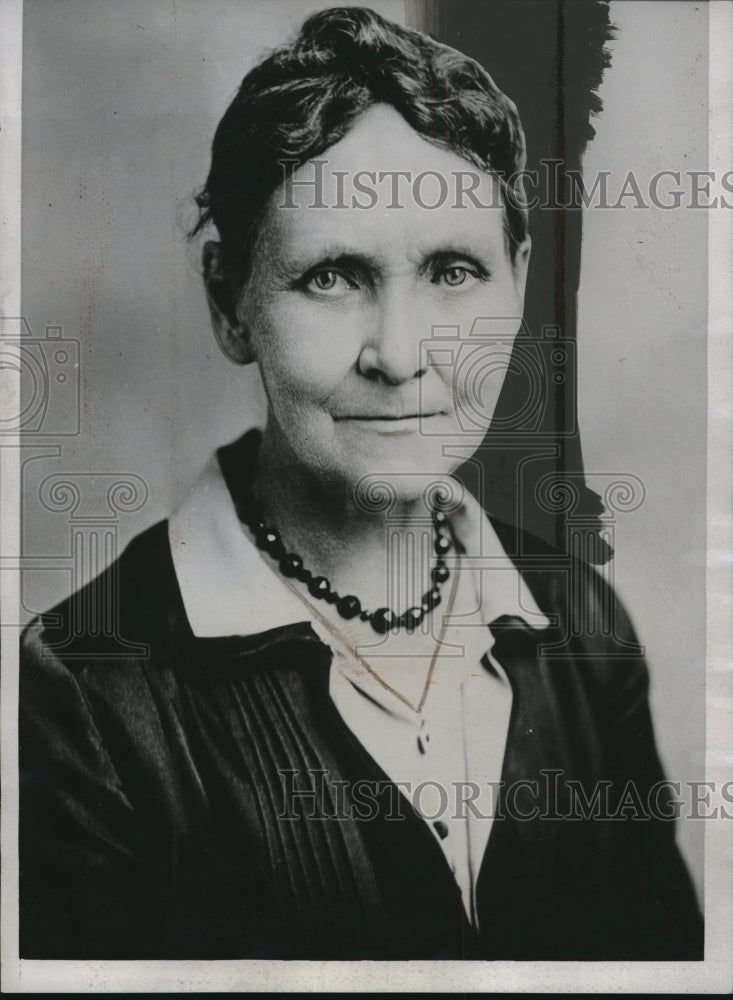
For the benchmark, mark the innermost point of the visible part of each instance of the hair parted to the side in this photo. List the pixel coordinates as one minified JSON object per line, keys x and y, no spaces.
{"x":305,"y":96}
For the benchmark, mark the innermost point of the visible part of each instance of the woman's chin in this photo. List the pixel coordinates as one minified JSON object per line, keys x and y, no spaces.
{"x":399,"y":479}
{"x":405,"y":456}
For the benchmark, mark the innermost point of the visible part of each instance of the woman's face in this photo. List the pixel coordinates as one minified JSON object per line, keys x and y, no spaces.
{"x":382,"y":333}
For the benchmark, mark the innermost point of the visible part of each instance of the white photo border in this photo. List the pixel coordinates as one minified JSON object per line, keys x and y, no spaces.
{"x":713,"y":975}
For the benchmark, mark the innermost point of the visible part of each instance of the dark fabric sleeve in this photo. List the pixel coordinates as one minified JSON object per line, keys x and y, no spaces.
{"x":660,"y":905}
{"x":604,"y":876}
{"x":653,"y":910}
{"x":84,"y":890}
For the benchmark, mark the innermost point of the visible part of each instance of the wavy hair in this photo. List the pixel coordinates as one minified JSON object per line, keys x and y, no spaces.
{"x":306,"y":95}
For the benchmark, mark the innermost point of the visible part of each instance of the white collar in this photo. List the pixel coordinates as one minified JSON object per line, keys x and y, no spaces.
{"x":228,"y":588}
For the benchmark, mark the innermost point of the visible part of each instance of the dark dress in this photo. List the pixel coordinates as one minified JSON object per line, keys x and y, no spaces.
{"x":153,"y":764}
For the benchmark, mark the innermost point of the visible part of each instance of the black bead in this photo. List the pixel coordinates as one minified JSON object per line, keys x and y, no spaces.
{"x":265,"y":538}
{"x":349,"y":606}
{"x":269,"y":540}
{"x":442,"y":544}
{"x":291,"y":564}
{"x":319,"y":587}
{"x":431,"y":600}
{"x":382,"y":620}
{"x":412,"y":618}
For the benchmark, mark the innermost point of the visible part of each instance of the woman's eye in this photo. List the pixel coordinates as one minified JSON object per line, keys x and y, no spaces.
{"x":454,"y":275}
{"x":329,"y":281}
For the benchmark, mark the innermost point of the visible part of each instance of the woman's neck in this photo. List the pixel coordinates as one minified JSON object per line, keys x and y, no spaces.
{"x":381,"y":556}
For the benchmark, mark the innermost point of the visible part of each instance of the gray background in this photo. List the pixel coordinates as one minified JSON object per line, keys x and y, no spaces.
{"x":120,"y":101}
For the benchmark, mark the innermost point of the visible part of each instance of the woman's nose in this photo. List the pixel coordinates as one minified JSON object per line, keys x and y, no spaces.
{"x":393,"y":350}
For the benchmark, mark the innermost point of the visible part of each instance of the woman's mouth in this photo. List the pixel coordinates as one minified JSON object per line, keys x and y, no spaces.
{"x":389,"y":423}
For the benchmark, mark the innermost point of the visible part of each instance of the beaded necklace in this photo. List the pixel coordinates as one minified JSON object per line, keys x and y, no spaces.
{"x":349,"y":606}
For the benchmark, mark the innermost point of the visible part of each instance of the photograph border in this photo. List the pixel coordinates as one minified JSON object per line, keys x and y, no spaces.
{"x":714,"y":974}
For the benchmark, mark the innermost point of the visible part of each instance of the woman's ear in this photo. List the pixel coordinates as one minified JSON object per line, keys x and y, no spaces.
{"x":520,"y":265}
{"x":231,"y":335}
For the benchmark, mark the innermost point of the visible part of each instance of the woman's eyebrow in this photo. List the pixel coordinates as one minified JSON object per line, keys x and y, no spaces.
{"x":358,"y":259}
{"x":298,"y":262}
{"x":336,"y":258}
{"x":480,"y":250}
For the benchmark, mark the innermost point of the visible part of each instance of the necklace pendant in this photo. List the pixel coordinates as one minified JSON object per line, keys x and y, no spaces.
{"x":423,"y":738}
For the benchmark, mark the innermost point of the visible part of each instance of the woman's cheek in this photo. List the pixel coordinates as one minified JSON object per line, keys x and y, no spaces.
{"x":307,"y":349}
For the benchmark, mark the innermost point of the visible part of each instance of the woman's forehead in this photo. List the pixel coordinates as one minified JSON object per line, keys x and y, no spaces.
{"x":385,"y":240}
{"x":382,"y":155}
{"x":382,"y":187}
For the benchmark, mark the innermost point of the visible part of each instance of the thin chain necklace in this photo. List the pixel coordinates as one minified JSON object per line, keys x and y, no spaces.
{"x":352,"y":649}
{"x":348,"y":606}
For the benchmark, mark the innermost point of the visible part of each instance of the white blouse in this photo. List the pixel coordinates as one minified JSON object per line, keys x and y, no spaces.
{"x":433,"y":711}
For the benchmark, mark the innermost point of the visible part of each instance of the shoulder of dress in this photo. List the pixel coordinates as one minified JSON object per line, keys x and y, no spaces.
{"x":132,"y":617}
{"x":117,"y":614}
{"x":592,"y":629}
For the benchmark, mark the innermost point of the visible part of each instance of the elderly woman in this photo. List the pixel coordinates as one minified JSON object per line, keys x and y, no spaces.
{"x":339,"y":716}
